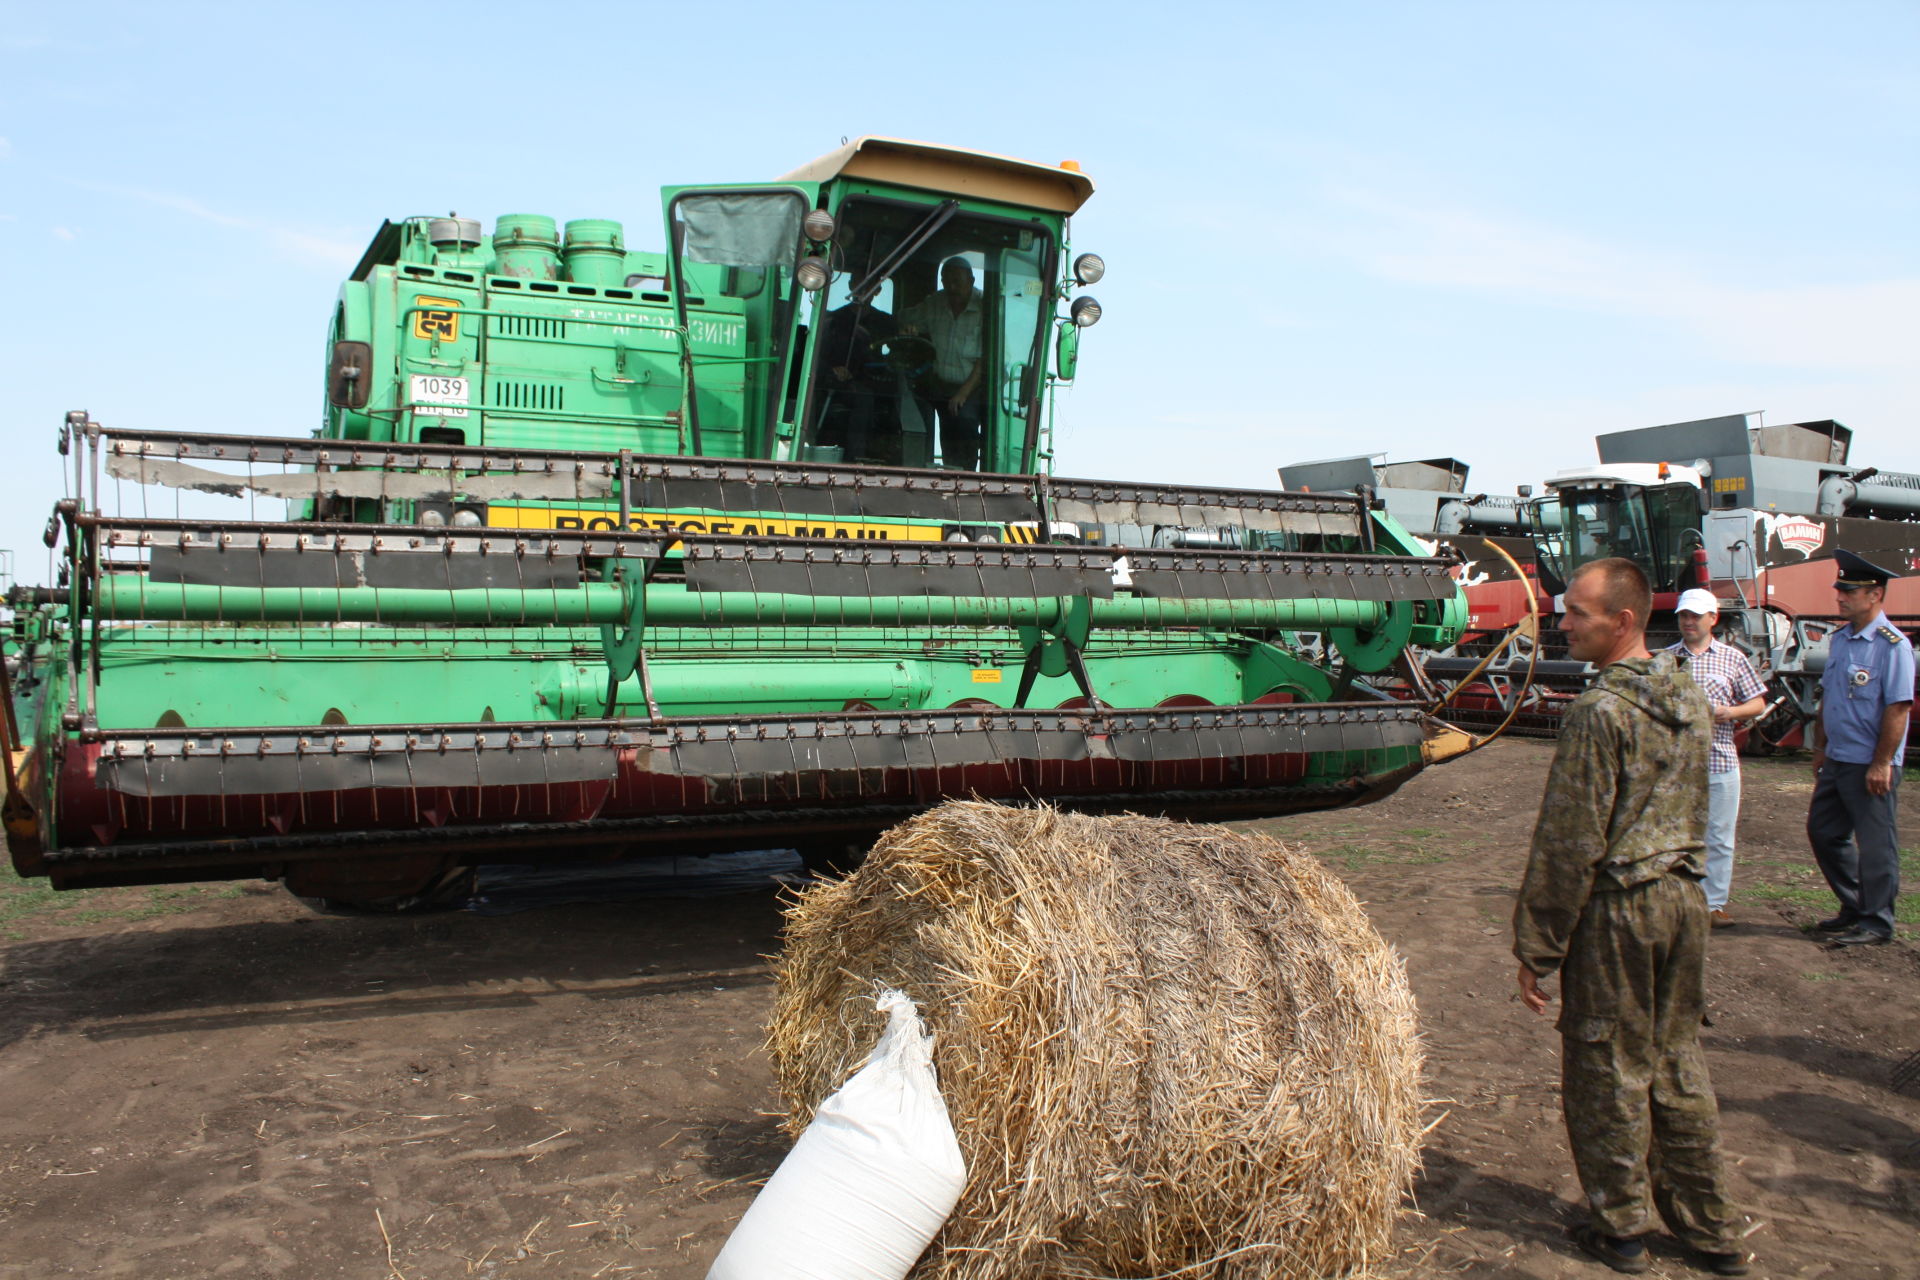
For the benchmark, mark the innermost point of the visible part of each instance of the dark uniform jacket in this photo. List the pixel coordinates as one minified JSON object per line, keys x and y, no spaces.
{"x":1626,"y":800}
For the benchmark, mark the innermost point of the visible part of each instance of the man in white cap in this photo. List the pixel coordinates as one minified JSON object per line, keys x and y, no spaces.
{"x":1727,"y":678}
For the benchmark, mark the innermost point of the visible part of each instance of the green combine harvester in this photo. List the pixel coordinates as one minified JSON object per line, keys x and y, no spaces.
{"x":750,"y":543}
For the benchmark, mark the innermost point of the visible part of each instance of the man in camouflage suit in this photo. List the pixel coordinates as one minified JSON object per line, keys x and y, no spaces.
{"x":1612,"y":902}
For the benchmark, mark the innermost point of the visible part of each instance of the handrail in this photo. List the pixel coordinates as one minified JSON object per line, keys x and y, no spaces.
{"x":1533,"y":657}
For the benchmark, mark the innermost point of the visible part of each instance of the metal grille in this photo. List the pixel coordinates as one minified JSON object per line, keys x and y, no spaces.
{"x":527,"y":395}
{"x":529,"y":327}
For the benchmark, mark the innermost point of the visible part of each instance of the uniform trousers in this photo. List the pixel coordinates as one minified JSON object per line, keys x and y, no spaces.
{"x":1856,"y":841}
{"x":1641,"y":1116}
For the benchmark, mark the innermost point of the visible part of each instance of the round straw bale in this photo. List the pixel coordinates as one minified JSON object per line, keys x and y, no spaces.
{"x":1161,"y":1044}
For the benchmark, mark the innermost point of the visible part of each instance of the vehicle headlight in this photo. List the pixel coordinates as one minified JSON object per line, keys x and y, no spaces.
{"x":1085,"y":312}
{"x":812,"y":274}
{"x":466,"y":518}
{"x":1089,"y":267}
{"x":817,"y":226}
{"x":432,"y":516}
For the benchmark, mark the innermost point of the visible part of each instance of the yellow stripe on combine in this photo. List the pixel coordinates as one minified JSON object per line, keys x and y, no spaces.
{"x":501,"y":517}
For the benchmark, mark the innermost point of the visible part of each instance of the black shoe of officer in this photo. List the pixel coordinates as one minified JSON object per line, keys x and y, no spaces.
{"x":1859,"y":937}
{"x":1835,"y":924}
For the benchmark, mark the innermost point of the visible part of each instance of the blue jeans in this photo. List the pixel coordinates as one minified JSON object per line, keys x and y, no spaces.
{"x":1723,"y":811}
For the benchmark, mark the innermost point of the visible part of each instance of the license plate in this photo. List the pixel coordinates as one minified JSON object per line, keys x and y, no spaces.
{"x":439,"y":397}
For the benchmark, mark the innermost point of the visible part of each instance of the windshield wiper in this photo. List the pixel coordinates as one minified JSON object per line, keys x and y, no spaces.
{"x":941,"y":215}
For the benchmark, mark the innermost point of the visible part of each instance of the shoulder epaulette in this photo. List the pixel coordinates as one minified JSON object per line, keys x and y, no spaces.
{"x":1888,"y":633}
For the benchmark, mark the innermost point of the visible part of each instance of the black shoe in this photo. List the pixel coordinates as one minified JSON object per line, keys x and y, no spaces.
{"x":1612,"y":1250}
{"x":1859,"y":936}
{"x":1721,"y":1264}
{"x":1835,"y":924}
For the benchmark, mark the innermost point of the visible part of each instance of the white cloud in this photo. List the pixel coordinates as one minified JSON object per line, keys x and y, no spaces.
{"x":63,"y":233}
{"x":167,"y":200}
{"x":1866,"y":325}
{"x":318,"y":248}
{"x":304,"y":245}
{"x":1862,"y":325}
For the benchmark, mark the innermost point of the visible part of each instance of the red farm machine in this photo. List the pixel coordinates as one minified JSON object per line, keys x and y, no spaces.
{"x":1750,"y":512}
{"x":751,"y":542}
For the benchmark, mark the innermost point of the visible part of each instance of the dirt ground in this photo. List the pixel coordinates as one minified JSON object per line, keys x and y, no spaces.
{"x":214,"y":1081}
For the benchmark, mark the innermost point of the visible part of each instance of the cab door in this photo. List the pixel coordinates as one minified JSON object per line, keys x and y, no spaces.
{"x":734,"y":251}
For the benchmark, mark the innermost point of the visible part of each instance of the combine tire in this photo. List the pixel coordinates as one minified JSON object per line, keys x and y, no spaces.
{"x":447,"y":892}
{"x":830,"y":859}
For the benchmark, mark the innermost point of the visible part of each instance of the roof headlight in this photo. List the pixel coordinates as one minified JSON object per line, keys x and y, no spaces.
{"x":1089,"y":267}
{"x":1085,"y":312}
{"x":817,"y":226}
{"x":811,"y":274}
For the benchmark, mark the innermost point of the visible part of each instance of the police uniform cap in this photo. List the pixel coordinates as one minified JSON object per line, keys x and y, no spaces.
{"x":1857,"y":571}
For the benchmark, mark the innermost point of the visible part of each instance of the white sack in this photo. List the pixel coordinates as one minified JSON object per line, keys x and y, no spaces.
{"x":869,"y":1183}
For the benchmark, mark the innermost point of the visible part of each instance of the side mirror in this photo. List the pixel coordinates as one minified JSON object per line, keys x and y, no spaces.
{"x":1066,"y":351}
{"x":350,"y":375}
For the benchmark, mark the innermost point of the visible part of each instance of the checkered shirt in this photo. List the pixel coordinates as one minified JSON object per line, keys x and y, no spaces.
{"x":1727,"y":678}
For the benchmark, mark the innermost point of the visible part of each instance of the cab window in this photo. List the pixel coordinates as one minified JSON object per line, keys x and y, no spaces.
{"x":930,"y":338}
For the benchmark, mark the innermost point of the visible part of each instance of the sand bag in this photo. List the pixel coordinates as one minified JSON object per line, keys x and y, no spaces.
{"x":869,"y":1182}
{"x":1163,"y":1045}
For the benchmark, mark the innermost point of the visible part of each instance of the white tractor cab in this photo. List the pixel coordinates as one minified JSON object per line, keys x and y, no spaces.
{"x":1652,"y":513}
{"x":1648,"y":512}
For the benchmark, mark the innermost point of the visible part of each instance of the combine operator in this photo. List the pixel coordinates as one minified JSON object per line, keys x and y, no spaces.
{"x":952,"y":319}
{"x":1612,"y":902}
{"x":1866,"y":693}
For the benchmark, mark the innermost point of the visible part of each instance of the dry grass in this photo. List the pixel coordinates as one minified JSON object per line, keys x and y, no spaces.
{"x":1161,"y":1044}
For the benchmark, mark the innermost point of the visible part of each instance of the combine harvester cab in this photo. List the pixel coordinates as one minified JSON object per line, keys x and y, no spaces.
{"x":740,"y":545}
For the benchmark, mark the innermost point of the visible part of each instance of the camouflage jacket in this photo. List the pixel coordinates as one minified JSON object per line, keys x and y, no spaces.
{"x":1626,"y":800}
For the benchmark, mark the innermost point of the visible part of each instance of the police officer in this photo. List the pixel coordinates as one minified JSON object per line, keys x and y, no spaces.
{"x":1866,"y":692}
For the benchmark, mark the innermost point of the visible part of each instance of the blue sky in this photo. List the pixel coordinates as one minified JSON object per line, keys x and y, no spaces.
{"x":1481,"y":230}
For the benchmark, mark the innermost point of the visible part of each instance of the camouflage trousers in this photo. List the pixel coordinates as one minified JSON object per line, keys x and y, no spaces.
{"x":1641,"y":1116}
